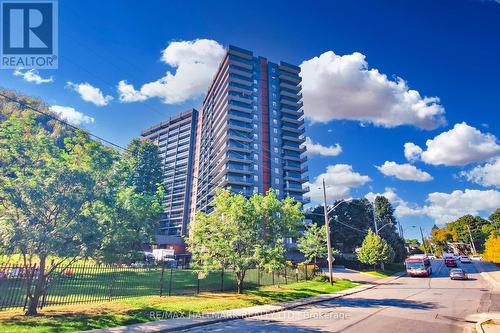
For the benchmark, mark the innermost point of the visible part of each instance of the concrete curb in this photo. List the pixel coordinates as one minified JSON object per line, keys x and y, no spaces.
{"x":177,"y":324}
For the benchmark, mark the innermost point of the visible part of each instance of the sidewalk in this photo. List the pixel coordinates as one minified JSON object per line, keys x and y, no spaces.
{"x":176,"y":324}
{"x":490,"y":272}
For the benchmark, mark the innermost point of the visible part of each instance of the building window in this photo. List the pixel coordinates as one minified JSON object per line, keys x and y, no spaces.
{"x":255,"y":157}
{"x":277,"y":181}
{"x":274,"y":104}
{"x":275,"y":149}
{"x":276,"y":170}
{"x":256,"y":178}
{"x":276,"y":160}
{"x":275,"y":140}
{"x":277,"y":192}
{"x":275,"y":122}
{"x":255,"y":136}
{"x":255,"y":126}
{"x":275,"y":130}
{"x":256,"y":189}
{"x":254,"y":81}
{"x":255,"y":146}
{"x":255,"y":167}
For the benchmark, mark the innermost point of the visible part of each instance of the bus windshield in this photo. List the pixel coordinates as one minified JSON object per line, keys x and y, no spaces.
{"x":415,"y":264}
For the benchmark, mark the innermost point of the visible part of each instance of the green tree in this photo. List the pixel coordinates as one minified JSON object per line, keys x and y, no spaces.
{"x":133,"y":203}
{"x":243,"y":232}
{"x":495,"y":219}
{"x":66,"y":197}
{"x":386,"y":222}
{"x":48,"y":194}
{"x":375,"y":250}
{"x":479,"y":228}
{"x":348,"y":223}
{"x":312,"y":244}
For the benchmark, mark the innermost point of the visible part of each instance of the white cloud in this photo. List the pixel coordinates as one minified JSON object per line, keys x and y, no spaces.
{"x":486,"y":175}
{"x":317,"y":148}
{"x":196,"y":63}
{"x":339,"y":179}
{"x":32,"y":75}
{"x":447,"y":207}
{"x":461,"y":145}
{"x":90,"y":93}
{"x":71,"y":115}
{"x":127,"y":93}
{"x":389,"y":193}
{"x":342,"y":87}
{"x":404,"y":172}
{"x":412,"y":151}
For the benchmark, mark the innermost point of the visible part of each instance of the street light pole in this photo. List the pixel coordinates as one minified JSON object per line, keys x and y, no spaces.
{"x":472,"y":240}
{"x":328,"y":240}
{"x":423,"y":240}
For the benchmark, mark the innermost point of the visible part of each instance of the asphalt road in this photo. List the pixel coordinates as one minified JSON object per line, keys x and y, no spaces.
{"x":435,"y":304}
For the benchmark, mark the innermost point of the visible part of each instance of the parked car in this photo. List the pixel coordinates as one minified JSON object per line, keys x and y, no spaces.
{"x":450,"y":262}
{"x":465,"y":260}
{"x":458,"y":274}
{"x":431,"y":256}
{"x":477,"y":258}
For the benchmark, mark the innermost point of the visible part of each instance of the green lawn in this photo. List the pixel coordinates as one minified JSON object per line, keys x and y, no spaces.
{"x":390,"y":269}
{"x":72,"y":318}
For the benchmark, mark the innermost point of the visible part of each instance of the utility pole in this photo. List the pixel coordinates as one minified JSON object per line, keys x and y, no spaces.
{"x":328,"y":240}
{"x":423,"y":240}
{"x":472,"y":240}
{"x":382,"y":266}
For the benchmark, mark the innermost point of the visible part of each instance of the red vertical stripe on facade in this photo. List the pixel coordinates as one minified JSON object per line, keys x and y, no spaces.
{"x":266,"y":165}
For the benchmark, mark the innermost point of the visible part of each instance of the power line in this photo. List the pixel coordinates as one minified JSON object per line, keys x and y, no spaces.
{"x":26,"y":105}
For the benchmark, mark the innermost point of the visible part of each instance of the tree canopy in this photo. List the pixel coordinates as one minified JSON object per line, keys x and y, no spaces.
{"x":243,"y":232}
{"x":375,"y":250}
{"x":312,"y":244}
{"x":66,"y":196}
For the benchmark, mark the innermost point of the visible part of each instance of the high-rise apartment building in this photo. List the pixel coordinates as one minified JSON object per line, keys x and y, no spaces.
{"x":175,"y":138}
{"x":250,"y":133}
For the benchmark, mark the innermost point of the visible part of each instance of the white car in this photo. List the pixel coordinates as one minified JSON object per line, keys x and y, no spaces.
{"x":476,"y":258}
{"x":465,"y":259}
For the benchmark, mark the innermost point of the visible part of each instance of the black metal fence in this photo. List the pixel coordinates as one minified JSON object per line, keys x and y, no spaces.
{"x":91,"y":283}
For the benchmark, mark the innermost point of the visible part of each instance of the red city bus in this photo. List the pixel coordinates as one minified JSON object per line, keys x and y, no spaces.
{"x":418,"y":265}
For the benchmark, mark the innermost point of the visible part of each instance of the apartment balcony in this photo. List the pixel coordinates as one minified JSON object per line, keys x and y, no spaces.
{"x":296,"y":188}
{"x":289,"y":68}
{"x":294,"y":87}
{"x":297,"y":112}
{"x":306,"y":200}
{"x":291,"y":119}
{"x":294,"y":178}
{"x":298,"y":139}
{"x":297,"y":104}
{"x":300,"y":149}
{"x":288,"y":77}
{"x":296,"y":129}
{"x":294,"y":95}
{"x":240,"y":99}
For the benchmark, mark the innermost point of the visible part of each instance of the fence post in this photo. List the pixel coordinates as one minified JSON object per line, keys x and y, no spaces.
{"x":305,"y":268}
{"x":286,"y":280}
{"x":222,"y":280}
{"x":110,"y":291}
{"x":170,"y":283}
{"x":197,"y":283}
{"x":258,"y":276}
{"x":161,"y":279}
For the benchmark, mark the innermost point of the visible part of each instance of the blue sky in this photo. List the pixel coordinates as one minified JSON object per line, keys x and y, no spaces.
{"x":446,"y":50}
